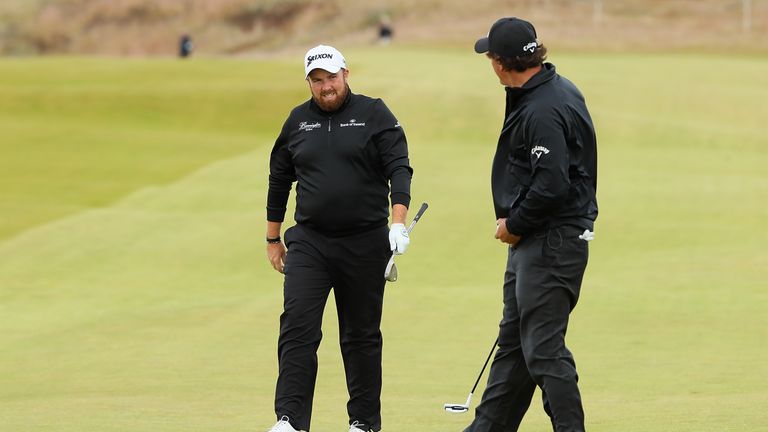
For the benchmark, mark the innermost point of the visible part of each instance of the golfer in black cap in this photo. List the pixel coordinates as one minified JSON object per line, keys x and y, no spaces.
{"x":543,"y":181}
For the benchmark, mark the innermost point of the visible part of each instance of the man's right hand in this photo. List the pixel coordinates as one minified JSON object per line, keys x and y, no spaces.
{"x":276,"y":255}
{"x":503,"y":235}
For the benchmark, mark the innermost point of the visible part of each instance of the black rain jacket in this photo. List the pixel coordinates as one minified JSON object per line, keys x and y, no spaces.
{"x":343,"y":163}
{"x":545,"y":168}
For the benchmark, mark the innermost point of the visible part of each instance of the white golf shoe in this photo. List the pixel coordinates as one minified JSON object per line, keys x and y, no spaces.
{"x":283,"y":426}
{"x":354,"y":427}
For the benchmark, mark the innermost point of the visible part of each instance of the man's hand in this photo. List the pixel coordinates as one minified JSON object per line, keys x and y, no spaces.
{"x":503,"y":235}
{"x":398,"y":238}
{"x":276,"y":255}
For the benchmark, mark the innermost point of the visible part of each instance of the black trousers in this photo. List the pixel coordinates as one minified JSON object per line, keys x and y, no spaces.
{"x":541,"y":287}
{"x":354,"y":267}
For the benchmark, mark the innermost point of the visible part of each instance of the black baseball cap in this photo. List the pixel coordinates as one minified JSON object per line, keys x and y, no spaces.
{"x":509,"y":37}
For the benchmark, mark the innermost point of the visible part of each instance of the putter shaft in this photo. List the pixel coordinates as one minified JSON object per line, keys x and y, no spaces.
{"x":456,"y":408}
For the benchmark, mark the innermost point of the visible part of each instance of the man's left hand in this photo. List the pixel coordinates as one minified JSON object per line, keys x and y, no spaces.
{"x":398,"y":238}
{"x":503,"y":235}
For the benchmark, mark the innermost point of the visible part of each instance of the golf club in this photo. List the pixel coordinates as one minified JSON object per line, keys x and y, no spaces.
{"x":462,"y":408}
{"x":390,"y":272}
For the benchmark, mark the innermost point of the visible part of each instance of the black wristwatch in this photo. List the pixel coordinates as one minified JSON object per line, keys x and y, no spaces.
{"x":274,"y":240}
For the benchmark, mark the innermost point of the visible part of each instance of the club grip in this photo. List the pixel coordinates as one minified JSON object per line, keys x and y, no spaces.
{"x":420,"y":212}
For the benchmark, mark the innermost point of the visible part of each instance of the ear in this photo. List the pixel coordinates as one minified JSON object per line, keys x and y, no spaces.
{"x":497,"y":66}
{"x":346,"y":73}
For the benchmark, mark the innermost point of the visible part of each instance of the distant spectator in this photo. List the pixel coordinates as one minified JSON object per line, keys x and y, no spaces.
{"x":385,"y":30}
{"x":185,"y":46}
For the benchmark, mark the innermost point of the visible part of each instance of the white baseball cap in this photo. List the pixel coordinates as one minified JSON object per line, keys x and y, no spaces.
{"x":324,"y":57}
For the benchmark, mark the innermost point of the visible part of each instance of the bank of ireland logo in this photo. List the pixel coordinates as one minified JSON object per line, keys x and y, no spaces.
{"x":539,"y":150}
{"x":352,"y":123}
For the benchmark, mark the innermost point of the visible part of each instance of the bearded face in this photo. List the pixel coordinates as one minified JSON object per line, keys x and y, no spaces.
{"x":328,"y":89}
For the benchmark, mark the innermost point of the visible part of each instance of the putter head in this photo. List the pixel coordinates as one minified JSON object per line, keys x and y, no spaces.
{"x":456,"y":408}
{"x":390,"y":273}
{"x":459,"y":408}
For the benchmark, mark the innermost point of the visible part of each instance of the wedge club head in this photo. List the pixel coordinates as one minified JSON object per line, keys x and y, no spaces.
{"x":390,"y":273}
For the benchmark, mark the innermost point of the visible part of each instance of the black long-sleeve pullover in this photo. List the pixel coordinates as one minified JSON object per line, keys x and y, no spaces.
{"x":545,"y":168}
{"x":343,"y":163}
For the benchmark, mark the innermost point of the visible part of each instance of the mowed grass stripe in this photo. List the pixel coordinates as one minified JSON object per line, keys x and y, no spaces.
{"x":81,"y":133}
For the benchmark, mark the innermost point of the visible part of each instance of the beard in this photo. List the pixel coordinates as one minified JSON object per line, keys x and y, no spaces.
{"x":328,"y":103}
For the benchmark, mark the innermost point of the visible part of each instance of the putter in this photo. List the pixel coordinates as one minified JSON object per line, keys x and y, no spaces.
{"x":390,"y":273}
{"x":462,"y":408}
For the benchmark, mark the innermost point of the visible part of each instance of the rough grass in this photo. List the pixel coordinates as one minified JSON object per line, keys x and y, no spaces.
{"x":149,"y":305}
{"x":146,"y":27}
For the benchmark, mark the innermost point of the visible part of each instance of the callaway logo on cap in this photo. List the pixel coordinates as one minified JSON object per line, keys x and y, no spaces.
{"x":509,"y":37}
{"x":323,"y":57}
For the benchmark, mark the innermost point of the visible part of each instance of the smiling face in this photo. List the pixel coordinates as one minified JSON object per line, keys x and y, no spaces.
{"x":328,"y":89}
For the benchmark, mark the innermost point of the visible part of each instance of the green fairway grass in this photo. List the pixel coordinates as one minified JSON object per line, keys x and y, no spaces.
{"x":78,"y":133}
{"x":135,"y":294}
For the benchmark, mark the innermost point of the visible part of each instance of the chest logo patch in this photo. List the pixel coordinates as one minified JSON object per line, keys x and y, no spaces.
{"x":352,"y":123}
{"x":306,"y":126}
{"x":539,"y":150}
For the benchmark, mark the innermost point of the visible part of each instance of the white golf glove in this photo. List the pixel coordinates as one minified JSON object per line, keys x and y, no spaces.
{"x":587,"y":236}
{"x":398,"y":238}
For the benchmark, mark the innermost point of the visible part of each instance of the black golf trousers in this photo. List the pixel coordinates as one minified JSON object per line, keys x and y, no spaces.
{"x":354,"y":267}
{"x":541,"y":287}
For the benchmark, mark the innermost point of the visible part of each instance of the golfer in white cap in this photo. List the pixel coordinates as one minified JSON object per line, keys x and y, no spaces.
{"x":348,"y":156}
